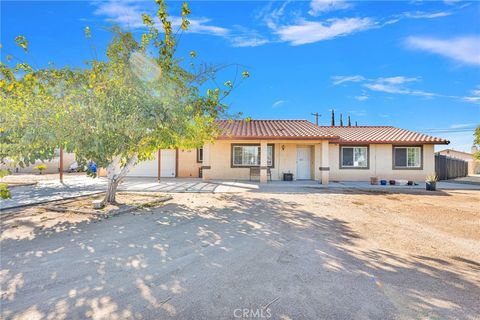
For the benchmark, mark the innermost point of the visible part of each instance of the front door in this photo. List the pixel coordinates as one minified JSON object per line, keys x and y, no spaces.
{"x":303,"y":163}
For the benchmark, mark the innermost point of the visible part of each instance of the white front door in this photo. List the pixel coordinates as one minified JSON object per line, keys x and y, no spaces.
{"x":303,"y":163}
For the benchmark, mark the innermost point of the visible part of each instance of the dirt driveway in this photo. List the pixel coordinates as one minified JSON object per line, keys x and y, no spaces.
{"x":326,"y":255}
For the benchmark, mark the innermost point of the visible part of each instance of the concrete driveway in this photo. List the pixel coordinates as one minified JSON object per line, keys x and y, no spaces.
{"x":79,"y":185}
{"x":227,"y":256}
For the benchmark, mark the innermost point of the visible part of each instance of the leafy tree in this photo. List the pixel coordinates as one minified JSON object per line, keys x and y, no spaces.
{"x":341,"y":120}
{"x":333,"y":118}
{"x":349,"y":122}
{"x":115,"y":112}
{"x":476,"y":142}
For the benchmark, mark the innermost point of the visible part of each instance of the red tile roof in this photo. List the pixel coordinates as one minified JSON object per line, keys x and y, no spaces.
{"x":272,"y":129}
{"x":305,"y":130}
{"x":381,"y":134}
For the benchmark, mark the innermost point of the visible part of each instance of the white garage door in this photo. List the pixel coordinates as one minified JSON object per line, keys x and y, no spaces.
{"x":149,"y":168}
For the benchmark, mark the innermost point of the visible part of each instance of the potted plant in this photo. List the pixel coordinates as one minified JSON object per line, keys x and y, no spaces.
{"x":41,"y":167}
{"x":431,"y":182}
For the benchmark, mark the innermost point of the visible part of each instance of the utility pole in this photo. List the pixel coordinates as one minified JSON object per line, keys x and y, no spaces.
{"x":316,"y":114}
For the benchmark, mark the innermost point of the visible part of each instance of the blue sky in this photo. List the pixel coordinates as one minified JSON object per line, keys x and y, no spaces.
{"x":414,"y":64}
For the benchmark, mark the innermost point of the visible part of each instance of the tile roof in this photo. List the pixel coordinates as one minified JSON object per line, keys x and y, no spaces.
{"x":381,"y":134}
{"x":305,"y":130}
{"x":272,"y":129}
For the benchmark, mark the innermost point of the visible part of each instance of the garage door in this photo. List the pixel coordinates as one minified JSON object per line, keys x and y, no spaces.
{"x":149,"y":168}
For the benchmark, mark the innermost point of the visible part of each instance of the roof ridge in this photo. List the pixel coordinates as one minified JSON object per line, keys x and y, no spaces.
{"x":360,"y":127}
{"x":249,"y":120}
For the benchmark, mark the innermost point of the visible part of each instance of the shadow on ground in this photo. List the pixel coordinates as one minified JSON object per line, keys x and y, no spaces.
{"x":207,"y":262}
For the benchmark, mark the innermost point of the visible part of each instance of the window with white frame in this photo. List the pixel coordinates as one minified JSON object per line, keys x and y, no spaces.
{"x":407,"y":157}
{"x":354,"y":157}
{"x":249,"y":155}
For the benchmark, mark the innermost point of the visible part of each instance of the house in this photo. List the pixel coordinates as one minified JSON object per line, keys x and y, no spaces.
{"x":473,"y":164}
{"x":53,"y":166}
{"x":322,"y":153}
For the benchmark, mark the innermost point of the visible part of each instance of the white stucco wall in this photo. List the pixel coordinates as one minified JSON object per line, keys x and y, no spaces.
{"x":285,"y":160}
{"x":380,"y":157}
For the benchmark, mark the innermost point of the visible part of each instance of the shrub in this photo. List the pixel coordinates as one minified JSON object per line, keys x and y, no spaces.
{"x":41,"y":167}
{"x":4,"y":192}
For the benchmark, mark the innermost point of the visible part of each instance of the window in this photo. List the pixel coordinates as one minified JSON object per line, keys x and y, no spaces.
{"x":249,"y":155}
{"x":407,"y":157}
{"x":354,"y":157}
{"x":200,"y":155}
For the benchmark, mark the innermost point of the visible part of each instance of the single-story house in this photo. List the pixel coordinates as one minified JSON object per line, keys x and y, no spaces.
{"x":299,"y":147}
{"x":473,"y":164}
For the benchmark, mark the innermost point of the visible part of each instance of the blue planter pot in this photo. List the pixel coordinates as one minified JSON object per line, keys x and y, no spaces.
{"x":431,"y":185}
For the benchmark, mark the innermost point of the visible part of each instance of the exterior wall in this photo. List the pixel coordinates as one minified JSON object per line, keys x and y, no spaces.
{"x":188,"y":167}
{"x":285,"y":160}
{"x":53,"y":166}
{"x":381,"y":165}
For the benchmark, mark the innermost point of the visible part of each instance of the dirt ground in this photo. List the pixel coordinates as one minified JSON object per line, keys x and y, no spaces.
{"x":338,"y":254}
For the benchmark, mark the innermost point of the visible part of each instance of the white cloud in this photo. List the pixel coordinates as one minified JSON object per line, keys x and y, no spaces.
{"x":393,"y":85}
{"x":450,"y":2}
{"x":319,"y":6}
{"x":278,"y":103}
{"x":312,"y":31}
{"x":342,"y":79}
{"x":362,"y":97}
{"x":396,"y":89}
{"x":462,"y":125}
{"x":398,"y":79}
{"x":427,"y":15}
{"x":465,"y":50}
{"x":129,"y":15}
{"x":474,"y":96}
{"x":246,"y":37}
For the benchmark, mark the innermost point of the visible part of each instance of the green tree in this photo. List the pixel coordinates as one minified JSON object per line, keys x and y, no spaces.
{"x":333,"y":118}
{"x":349,"y":122}
{"x":476,"y":142}
{"x":341,"y":120}
{"x":115,"y":112}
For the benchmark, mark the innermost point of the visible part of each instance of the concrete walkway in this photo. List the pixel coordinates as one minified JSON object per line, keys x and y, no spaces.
{"x":75,"y":186}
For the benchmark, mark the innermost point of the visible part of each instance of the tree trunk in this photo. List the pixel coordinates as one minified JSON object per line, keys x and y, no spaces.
{"x":115,"y":175}
{"x":110,"y":195}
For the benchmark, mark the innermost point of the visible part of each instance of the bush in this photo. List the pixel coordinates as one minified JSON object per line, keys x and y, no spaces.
{"x":4,"y":192}
{"x":41,"y":167}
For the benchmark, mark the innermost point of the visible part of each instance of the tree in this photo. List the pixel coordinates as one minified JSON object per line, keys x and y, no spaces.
{"x":115,"y":112}
{"x":476,"y":142}
{"x":349,"y":122}
{"x":341,"y":120}
{"x":333,"y":118}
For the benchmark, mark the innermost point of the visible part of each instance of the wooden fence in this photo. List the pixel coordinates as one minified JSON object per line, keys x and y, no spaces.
{"x":450,"y":168}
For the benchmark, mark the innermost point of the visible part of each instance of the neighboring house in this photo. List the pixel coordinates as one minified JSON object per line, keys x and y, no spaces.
{"x":473,"y":164}
{"x":303,"y":149}
{"x":53,"y":166}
